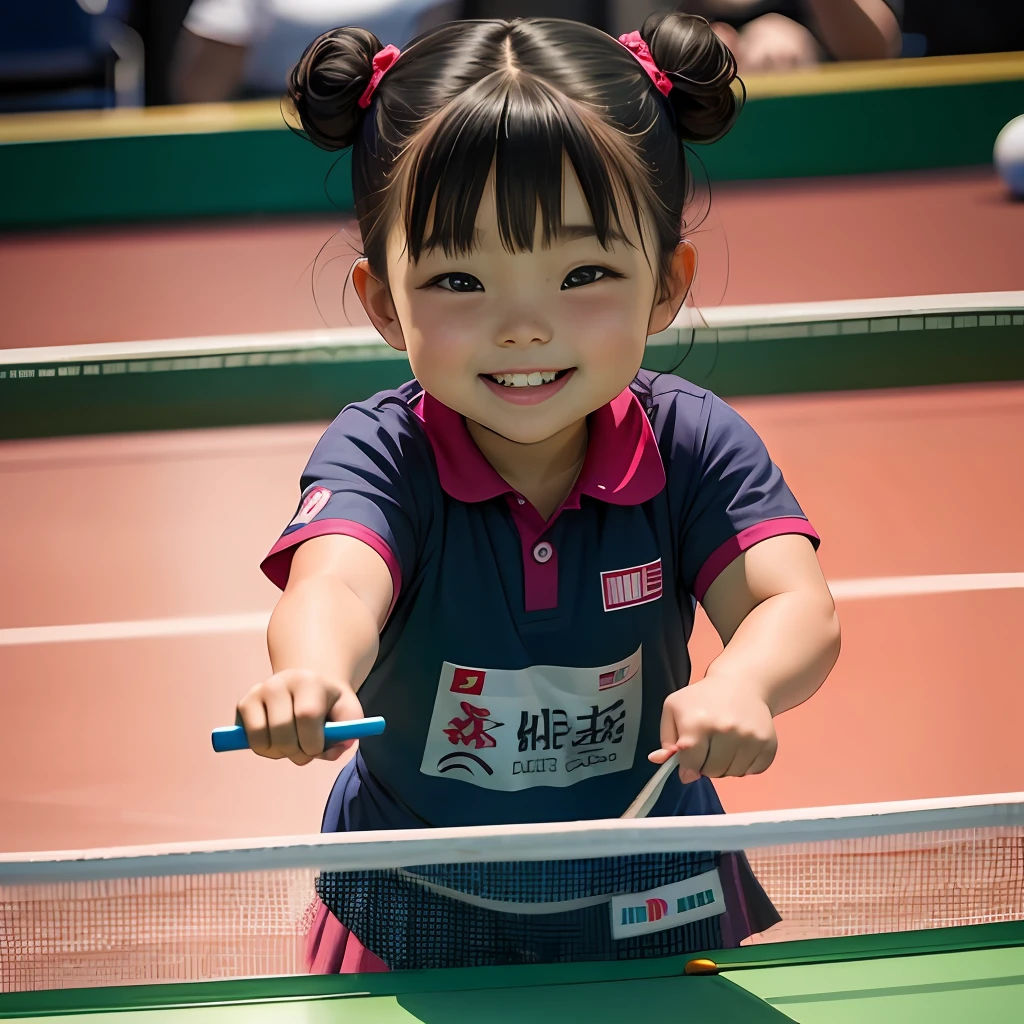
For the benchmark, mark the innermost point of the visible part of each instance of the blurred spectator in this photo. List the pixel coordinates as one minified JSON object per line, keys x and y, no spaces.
{"x":233,"y":48}
{"x":158,"y":23}
{"x":591,"y":12}
{"x":58,"y":54}
{"x":777,"y":35}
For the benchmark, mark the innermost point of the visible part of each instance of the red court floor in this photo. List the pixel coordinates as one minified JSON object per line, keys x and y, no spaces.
{"x":786,"y":241}
{"x":107,"y":742}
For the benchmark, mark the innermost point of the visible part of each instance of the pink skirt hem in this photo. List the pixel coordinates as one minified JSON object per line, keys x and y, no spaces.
{"x":332,"y":949}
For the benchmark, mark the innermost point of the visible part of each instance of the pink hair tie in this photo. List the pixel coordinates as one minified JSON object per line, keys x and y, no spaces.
{"x":382,"y":60}
{"x":633,"y":42}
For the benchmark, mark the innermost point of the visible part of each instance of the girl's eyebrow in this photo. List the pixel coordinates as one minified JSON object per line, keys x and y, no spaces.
{"x":573,"y":233}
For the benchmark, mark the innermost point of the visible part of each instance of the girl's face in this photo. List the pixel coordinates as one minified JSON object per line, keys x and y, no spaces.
{"x":525,"y":344}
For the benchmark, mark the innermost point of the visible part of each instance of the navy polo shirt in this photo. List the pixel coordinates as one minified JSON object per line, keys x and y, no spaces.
{"x":524,"y":663}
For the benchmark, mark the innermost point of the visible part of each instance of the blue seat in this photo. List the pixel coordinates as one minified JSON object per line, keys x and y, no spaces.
{"x":56,"y":54}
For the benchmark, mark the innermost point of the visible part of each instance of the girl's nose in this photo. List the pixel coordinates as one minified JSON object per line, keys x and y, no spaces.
{"x":521,"y":332}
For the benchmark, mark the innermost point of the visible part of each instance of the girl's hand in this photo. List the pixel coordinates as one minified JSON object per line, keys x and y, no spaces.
{"x":285,"y":715}
{"x":719,"y":727}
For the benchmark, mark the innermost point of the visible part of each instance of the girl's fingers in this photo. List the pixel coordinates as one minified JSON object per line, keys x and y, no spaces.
{"x":251,"y":715}
{"x":669,"y":731}
{"x":680,"y":737}
{"x":309,"y":706}
{"x":752,"y":757}
{"x":692,"y":757}
{"x":281,"y":718}
{"x":346,"y":708}
{"x":721,"y":752}
{"x":764,"y":760}
{"x":743,"y":758}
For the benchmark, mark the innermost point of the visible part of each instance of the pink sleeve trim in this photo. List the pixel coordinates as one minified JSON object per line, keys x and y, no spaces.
{"x":278,"y":562}
{"x":743,"y":541}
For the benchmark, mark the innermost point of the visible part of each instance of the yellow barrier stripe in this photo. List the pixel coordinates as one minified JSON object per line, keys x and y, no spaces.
{"x":262,"y":115}
{"x":868,"y":76}
{"x":192,"y":119}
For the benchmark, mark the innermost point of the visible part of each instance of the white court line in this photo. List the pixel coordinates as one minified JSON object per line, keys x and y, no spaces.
{"x":256,"y":622}
{"x":139,"y":629}
{"x":911,"y":586}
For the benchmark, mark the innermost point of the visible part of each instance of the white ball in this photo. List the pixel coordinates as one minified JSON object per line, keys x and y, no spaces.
{"x":1009,"y":155}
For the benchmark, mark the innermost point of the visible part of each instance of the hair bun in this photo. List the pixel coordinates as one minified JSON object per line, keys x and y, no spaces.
{"x":702,"y":69}
{"x":325,"y":85}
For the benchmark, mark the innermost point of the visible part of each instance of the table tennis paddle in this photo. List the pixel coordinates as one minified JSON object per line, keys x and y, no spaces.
{"x":232,"y":737}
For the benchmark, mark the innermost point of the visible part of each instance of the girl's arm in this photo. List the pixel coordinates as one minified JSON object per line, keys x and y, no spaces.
{"x":857,"y":29}
{"x":323,"y":639}
{"x":775,"y":615}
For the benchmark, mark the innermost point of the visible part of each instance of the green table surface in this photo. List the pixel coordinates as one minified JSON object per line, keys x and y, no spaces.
{"x":948,"y":976}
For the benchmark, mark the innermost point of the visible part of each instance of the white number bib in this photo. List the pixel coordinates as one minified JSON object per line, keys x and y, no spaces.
{"x":547,"y":725}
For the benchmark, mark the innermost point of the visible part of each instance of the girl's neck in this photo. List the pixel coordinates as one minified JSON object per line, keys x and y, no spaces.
{"x":543,"y":472}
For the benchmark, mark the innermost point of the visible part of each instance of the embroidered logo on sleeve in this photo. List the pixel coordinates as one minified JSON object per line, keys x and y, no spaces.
{"x":312,"y":503}
{"x":623,"y":588}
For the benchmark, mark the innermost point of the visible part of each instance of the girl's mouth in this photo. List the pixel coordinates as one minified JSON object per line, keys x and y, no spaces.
{"x":527,"y":388}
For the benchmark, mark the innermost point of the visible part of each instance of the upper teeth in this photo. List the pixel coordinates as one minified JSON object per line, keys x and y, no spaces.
{"x":525,"y":380}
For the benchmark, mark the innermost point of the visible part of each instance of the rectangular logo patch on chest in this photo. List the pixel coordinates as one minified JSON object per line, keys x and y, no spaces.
{"x":623,"y":588}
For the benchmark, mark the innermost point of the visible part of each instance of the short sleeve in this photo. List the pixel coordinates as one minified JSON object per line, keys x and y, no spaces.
{"x":224,"y":21}
{"x":736,"y":497}
{"x":363,"y":480}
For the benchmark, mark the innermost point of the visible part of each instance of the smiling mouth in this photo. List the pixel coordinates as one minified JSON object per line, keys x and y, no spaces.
{"x":526,"y":380}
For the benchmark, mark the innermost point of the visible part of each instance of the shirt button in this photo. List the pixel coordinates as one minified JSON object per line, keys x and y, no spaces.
{"x":543,"y":551}
{"x":522,"y":501}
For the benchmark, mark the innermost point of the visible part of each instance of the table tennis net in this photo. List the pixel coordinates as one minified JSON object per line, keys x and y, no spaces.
{"x":434,"y":898}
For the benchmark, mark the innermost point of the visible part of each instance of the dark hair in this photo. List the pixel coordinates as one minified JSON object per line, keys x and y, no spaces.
{"x":515,"y":96}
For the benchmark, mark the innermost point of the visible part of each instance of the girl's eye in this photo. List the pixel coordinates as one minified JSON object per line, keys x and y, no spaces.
{"x":458,"y":283}
{"x":586,"y":275}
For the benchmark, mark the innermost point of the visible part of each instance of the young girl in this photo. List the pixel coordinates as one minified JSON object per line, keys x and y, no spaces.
{"x":503,"y":556}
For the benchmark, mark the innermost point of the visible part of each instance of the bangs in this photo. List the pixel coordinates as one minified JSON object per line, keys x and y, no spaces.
{"x":522,"y":130}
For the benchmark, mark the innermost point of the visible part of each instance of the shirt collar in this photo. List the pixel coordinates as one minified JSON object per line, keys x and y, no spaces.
{"x":622,"y":467}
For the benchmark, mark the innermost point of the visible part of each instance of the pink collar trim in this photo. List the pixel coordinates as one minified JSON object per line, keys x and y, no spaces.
{"x":623,"y":465}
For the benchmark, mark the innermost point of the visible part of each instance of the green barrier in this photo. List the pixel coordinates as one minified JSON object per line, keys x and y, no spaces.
{"x":272,"y":172}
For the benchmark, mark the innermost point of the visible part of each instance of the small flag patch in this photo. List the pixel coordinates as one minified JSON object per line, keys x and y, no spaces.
{"x":606,"y":680}
{"x":624,"y":588}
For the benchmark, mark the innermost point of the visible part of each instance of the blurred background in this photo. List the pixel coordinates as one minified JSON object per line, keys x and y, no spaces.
{"x":68,"y":54}
{"x":177,"y":327}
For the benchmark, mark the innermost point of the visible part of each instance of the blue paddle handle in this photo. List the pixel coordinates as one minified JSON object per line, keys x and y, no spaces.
{"x":232,"y":737}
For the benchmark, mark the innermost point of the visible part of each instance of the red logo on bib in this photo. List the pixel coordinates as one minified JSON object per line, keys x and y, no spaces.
{"x":468,"y":680}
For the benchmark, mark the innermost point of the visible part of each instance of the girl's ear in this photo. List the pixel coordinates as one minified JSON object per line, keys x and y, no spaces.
{"x":680,"y":277}
{"x":375,"y":296}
